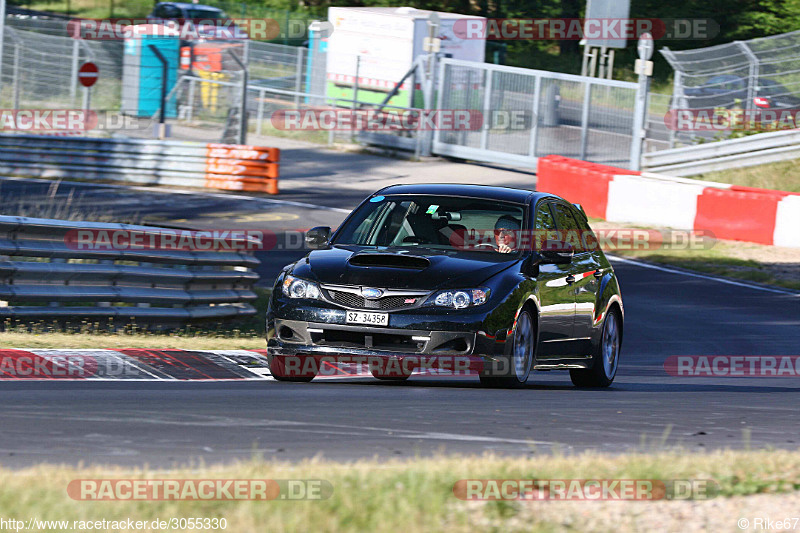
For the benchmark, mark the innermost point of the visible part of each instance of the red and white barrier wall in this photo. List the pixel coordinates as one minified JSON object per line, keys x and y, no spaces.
{"x":728,"y":211}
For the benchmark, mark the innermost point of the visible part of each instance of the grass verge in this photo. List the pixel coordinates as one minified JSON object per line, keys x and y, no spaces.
{"x":733,"y":259}
{"x":188,"y":341}
{"x":781,"y":176}
{"x":417,"y":495}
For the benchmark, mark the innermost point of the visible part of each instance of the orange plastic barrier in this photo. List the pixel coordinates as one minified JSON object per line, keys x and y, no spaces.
{"x":237,"y":167}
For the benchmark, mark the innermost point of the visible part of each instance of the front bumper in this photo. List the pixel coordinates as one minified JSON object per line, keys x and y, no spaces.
{"x":294,"y":337}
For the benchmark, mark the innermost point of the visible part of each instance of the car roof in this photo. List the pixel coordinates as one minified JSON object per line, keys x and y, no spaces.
{"x":489,"y":192}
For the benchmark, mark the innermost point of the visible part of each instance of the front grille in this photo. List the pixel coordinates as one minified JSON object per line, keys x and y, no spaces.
{"x":348,"y":299}
{"x":378,"y":341}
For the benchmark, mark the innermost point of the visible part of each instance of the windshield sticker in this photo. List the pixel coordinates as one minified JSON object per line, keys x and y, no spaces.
{"x":432,"y":210}
{"x":376,"y":199}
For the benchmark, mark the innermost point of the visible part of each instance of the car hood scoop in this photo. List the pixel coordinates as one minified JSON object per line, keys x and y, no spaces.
{"x":417,"y":270}
{"x":414,"y":262}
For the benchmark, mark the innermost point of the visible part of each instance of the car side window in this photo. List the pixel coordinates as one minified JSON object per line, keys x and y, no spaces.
{"x":588,"y":238}
{"x":171,"y":12}
{"x":544,"y":218}
{"x":568,"y":226}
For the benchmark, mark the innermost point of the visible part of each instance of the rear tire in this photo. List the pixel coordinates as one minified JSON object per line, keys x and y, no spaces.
{"x":606,"y":355}
{"x":514,"y":371}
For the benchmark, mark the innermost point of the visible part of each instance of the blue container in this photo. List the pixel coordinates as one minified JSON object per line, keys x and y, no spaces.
{"x":142,"y":74}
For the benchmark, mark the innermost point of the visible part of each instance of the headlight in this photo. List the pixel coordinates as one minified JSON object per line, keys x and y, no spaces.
{"x":459,"y":298}
{"x":299,"y":288}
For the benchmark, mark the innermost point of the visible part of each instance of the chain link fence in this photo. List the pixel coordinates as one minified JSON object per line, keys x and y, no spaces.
{"x":554,"y":113}
{"x":41,"y":62}
{"x":529,"y":113}
{"x":763,"y":72}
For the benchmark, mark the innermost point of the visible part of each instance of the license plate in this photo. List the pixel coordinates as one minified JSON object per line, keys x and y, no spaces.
{"x":373,"y":319}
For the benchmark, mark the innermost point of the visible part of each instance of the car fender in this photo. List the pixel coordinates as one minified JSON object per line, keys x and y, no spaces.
{"x":607,"y":295}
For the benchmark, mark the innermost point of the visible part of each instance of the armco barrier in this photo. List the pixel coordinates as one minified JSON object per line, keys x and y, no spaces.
{"x":44,"y":275}
{"x":193,"y":164}
{"x":728,"y":211}
{"x":748,"y":151}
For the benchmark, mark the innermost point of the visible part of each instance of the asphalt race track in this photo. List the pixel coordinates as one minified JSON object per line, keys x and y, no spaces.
{"x":667,"y":313}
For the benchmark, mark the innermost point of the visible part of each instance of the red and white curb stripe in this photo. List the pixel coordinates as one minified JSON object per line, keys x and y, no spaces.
{"x":139,"y":364}
{"x":133,"y":364}
{"x":728,"y":211}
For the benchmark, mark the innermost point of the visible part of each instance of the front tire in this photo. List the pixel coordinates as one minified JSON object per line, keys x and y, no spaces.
{"x":605,"y":357}
{"x":514,"y":372}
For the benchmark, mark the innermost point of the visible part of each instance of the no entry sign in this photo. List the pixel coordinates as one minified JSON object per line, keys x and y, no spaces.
{"x":87,"y":74}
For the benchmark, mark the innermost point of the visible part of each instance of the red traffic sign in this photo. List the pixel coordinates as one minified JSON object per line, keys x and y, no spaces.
{"x":87,"y":74}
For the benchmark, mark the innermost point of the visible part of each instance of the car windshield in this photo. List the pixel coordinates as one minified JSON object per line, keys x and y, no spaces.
{"x":438,"y":222}
{"x":205,"y":14}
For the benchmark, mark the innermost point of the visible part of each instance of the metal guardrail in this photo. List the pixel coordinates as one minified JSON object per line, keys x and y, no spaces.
{"x":722,"y":155}
{"x":183,"y":163}
{"x":44,"y":275}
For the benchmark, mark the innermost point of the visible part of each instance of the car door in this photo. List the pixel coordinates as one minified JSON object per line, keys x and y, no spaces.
{"x":556,"y":298}
{"x":582,"y":280}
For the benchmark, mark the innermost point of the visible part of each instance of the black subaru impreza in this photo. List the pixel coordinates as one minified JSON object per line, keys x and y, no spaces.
{"x":508,"y":280}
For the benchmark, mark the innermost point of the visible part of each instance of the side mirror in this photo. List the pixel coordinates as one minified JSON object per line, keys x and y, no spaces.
{"x":556,"y":253}
{"x":318,"y":237}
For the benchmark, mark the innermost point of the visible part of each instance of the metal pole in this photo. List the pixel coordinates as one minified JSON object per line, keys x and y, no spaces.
{"x":355,"y":95}
{"x":164,"y":72}
{"x":601,"y":71}
{"x":73,"y":79}
{"x":753,"y":74}
{"x":587,"y":99}
{"x":16,"y":76}
{"x":432,"y":102}
{"x":487,"y":112}
{"x":260,"y":111}
{"x":243,"y":102}
{"x":592,"y":61}
{"x":677,"y":101}
{"x":298,"y":77}
{"x":2,"y":35}
{"x":190,"y":112}
{"x":355,"y":81}
{"x":639,"y":118}
{"x":87,"y":98}
{"x":537,"y":89}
